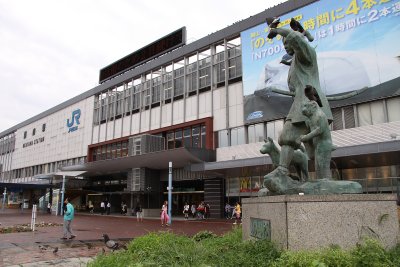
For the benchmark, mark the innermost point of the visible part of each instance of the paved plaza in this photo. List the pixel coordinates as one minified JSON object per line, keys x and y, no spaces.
{"x":36,"y":248}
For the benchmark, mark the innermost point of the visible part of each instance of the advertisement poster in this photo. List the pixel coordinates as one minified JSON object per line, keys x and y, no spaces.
{"x":357,"y":45}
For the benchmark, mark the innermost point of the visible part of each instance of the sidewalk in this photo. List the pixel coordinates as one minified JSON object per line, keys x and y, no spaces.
{"x":36,"y":248}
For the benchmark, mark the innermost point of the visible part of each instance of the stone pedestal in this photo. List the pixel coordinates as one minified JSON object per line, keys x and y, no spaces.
{"x":302,"y":222}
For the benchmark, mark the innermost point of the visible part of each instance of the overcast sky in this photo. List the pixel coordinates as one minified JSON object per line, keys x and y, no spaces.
{"x":52,"y":50}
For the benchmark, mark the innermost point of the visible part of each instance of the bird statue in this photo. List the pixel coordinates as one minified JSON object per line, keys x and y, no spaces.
{"x":111,"y":244}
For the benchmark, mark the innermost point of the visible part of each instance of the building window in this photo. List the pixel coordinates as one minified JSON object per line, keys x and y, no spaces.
{"x":186,"y":137}
{"x":25,"y":134}
{"x":256,"y":133}
{"x":178,"y":138}
{"x":33,"y":131}
{"x":43,"y":127}
{"x":237,"y":136}
{"x":223,"y":138}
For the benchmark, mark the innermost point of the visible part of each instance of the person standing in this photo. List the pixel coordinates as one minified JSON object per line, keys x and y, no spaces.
{"x":68,"y":217}
{"x":139,"y":212}
{"x":186,"y":210}
{"x":193,"y":210}
{"x":91,"y":207}
{"x":49,"y":208}
{"x":102,"y":207}
{"x":164,"y":214}
{"x":238,"y":211}
{"x":108,"y":208}
{"x":227,"y":211}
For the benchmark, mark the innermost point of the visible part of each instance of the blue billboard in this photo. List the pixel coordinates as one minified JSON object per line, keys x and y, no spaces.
{"x":357,"y":45}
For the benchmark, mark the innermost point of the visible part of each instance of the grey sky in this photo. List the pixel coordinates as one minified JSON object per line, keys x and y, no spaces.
{"x":52,"y":50}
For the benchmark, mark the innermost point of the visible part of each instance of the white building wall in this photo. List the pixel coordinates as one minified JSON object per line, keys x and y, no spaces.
{"x":145,"y":121}
{"x":219,"y":106}
{"x":110,"y":130}
{"x":56,"y":142}
{"x":118,"y":128}
{"x":155,"y":118}
{"x":178,"y":112}
{"x":126,"y":129}
{"x":205,"y":108}
{"x":191,"y":108}
{"x":236,"y":105}
{"x":135,"y":123}
{"x":166,"y":115}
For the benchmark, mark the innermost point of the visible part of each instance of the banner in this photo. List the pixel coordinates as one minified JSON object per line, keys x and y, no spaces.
{"x":357,"y":44}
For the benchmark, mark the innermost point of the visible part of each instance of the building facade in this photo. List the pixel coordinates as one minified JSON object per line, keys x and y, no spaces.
{"x":199,"y":106}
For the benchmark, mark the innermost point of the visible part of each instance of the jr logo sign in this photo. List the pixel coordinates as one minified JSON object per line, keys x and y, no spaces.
{"x":76,"y":114}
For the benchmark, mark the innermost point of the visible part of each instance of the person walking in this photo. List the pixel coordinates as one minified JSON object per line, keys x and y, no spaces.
{"x":238,"y":211}
{"x":139,"y":212}
{"x":102,"y":207}
{"x":164,"y":214}
{"x":68,"y":217}
{"x":186,"y":210}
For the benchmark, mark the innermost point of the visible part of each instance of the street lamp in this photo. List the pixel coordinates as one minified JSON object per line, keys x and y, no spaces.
{"x":148,"y":189}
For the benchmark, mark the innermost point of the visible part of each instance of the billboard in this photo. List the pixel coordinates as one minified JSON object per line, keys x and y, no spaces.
{"x":357,"y":45}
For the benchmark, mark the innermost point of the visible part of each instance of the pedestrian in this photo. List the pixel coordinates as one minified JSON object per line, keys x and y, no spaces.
{"x":227,"y":211}
{"x":238,"y":211}
{"x":68,"y":217}
{"x":49,"y":208}
{"x":91,"y":207}
{"x":193,"y":210}
{"x":139,"y":212}
{"x":207,"y":211}
{"x":108,"y":207}
{"x":186,"y":210}
{"x":164,"y":214}
{"x":102,"y":207}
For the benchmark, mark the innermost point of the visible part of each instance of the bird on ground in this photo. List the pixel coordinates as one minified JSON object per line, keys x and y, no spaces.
{"x":55,"y":250}
{"x":42,"y":248}
{"x":111,"y":244}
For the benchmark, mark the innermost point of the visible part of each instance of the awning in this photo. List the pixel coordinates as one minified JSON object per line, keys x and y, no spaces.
{"x":180,"y":157}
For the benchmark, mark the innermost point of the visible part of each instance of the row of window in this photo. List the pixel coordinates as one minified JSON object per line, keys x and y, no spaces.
{"x":7,"y":144}
{"x":194,"y":136}
{"x":45,"y":168}
{"x":34,"y":131}
{"x":191,"y":136}
{"x":163,"y":85}
{"x":382,"y":111}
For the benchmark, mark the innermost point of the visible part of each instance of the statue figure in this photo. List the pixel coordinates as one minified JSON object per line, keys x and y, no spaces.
{"x":299,"y":161}
{"x":320,"y":136}
{"x":304,"y":86}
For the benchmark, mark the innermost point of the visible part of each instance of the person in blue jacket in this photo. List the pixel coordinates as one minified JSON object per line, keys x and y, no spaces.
{"x":68,"y":217}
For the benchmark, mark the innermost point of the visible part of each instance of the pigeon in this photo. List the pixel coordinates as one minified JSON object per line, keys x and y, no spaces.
{"x":111,"y":244}
{"x":55,"y":250}
{"x":42,"y":248}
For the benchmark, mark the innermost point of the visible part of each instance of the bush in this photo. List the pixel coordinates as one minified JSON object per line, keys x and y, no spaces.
{"x":207,"y":249}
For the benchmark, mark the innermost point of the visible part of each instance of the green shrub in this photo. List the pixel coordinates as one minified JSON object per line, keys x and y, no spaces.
{"x":371,"y":254}
{"x":207,"y":249}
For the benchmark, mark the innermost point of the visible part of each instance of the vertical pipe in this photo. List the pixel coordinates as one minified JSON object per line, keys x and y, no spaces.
{"x":62,"y":195}
{"x":169,"y":191}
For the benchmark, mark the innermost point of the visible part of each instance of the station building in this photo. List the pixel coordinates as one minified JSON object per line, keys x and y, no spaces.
{"x":207,"y":107}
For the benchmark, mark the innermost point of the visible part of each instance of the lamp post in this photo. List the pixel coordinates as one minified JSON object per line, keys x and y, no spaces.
{"x":62,"y":195}
{"x":148,"y":189}
{"x":169,"y":191}
{"x":4,"y":197}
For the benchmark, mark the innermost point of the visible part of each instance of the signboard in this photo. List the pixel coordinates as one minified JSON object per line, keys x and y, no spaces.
{"x":356,"y":43}
{"x":161,"y":46}
{"x":260,"y":228}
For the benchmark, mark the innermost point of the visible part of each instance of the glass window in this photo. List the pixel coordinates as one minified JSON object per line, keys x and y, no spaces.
{"x":43,"y":127}
{"x":256,"y":133}
{"x":393,"y":108}
{"x":186,"y":137}
{"x":237,"y":136}
{"x":223,"y":138}
{"x":25,"y":134}
{"x":33,"y":131}
{"x":203,"y":136}
{"x":196,"y":136}
{"x":170,"y":140}
{"x":178,"y":138}
{"x":124,"y":149}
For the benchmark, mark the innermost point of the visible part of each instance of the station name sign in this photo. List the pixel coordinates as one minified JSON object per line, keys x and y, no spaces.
{"x":33,"y":142}
{"x":159,"y":47}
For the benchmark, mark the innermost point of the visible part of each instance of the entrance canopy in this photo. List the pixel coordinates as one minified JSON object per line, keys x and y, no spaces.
{"x":180,"y":157}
